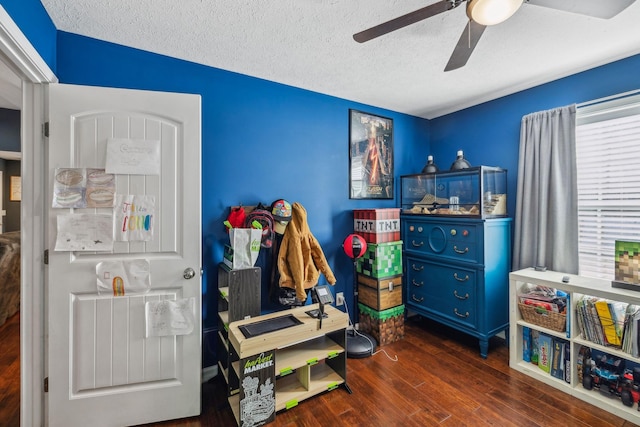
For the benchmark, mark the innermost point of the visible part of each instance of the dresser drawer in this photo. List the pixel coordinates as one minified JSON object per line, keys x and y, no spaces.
{"x":448,"y":291}
{"x":456,"y":271}
{"x":451,"y":240}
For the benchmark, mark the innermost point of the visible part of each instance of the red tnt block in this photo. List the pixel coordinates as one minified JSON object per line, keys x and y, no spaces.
{"x":377,"y":225}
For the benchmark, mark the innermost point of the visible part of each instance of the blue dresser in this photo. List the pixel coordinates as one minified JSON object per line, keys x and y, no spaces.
{"x":457,"y":272}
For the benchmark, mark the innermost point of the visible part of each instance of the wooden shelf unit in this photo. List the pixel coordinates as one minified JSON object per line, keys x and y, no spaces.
{"x":308,"y":360}
{"x":576,"y":287}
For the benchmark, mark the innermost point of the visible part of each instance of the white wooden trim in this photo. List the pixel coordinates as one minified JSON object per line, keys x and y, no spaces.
{"x":21,"y":54}
{"x":32,"y":327}
{"x":18,"y":53}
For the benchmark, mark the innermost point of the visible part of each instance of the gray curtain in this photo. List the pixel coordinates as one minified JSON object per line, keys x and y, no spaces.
{"x":546,"y":221}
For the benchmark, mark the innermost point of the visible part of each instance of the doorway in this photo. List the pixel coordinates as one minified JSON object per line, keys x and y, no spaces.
{"x":10,"y":155}
{"x":21,"y":59}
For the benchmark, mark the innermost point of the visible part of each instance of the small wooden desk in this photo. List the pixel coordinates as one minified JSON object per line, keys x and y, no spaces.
{"x":302,"y":361}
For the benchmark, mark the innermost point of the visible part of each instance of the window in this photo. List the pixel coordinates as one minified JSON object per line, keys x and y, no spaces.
{"x":608,"y":167}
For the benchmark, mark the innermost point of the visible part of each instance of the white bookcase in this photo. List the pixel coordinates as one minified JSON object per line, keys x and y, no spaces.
{"x":576,"y":287}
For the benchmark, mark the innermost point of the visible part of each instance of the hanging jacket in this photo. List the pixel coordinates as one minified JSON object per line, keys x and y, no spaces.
{"x":300,"y":259}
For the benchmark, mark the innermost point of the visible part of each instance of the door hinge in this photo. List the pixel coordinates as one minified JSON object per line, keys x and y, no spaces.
{"x":45,"y":129}
{"x":46,"y":256}
{"x":46,"y":384}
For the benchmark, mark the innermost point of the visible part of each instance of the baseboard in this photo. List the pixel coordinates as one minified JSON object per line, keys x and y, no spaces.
{"x":209,"y":372}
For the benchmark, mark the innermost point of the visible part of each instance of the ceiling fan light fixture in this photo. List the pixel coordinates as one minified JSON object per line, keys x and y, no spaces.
{"x":492,"y":12}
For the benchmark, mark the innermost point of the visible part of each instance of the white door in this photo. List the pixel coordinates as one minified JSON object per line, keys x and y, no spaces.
{"x":102,"y":370}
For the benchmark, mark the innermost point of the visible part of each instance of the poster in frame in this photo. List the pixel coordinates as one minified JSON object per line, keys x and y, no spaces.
{"x":15,"y":189}
{"x":370,"y":156}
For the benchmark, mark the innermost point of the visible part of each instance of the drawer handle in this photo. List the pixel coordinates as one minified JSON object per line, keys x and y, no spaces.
{"x":455,"y":293}
{"x":418,"y":284}
{"x":463,"y":279}
{"x":458,"y":251}
{"x":464,"y":316}
{"x":420,"y":268}
{"x":413,"y":297}
{"x":416,"y":245}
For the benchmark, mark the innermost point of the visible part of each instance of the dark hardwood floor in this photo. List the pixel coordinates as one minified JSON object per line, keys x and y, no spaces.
{"x":439,"y":379}
{"x":10,"y":372}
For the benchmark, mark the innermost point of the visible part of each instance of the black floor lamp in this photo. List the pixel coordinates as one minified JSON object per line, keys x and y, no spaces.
{"x":359,"y":344}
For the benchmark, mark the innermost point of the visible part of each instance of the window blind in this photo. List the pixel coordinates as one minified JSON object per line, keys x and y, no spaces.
{"x":608,"y":168}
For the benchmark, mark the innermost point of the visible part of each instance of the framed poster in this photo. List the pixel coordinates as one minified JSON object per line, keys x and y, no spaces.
{"x":370,"y":156}
{"x":15,"y":191}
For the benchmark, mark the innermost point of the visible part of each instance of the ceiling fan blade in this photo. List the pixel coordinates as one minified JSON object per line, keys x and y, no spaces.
{"x":463,"y":50}
{"x":404,"y":20}
{"x":596,"y":8}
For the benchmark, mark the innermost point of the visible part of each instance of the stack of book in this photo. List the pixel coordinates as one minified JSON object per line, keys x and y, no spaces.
{"x":630,"y":330}
{"x":550,"y":353}
{"x":603,"y":322}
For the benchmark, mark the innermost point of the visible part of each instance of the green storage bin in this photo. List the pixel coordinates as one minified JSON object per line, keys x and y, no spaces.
{"x":381,"y":260}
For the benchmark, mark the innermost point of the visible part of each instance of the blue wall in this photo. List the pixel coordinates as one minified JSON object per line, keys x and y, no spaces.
{"x":9,"y":130}
{"x":261,"y":141}
{"x":491,"y":131}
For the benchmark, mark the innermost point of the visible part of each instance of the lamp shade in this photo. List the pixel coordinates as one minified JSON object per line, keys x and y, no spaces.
{"x":492,"y":12}
{"x":354,"y":246}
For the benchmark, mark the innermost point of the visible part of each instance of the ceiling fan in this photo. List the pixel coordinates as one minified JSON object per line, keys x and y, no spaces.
{"x":483,"y":13}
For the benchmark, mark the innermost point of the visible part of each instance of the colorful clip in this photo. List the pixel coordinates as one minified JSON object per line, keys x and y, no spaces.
{"x":332,"y":386}
{"x":290,"y":404}
{"x":285,"y":371}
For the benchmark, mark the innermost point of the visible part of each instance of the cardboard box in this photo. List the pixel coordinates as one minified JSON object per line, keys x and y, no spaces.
{"x":381,"y":260}
{"x":377,"y":225}
{"x":380,"y":294}
{"x":385,"y":326}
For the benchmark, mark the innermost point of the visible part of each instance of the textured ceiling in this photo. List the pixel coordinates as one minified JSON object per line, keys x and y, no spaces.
{"x":309,"y":44}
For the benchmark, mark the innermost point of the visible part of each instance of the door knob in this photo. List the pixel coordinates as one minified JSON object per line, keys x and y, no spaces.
{"x":189,"y":273}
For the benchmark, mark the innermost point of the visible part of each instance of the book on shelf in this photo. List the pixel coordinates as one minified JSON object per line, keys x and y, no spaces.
{"x":592,"y":326}
{"x":580,"y":318}
{"x":557,"y":358}
{"x":585,"y":319}
{"x":568,"y":315}
{"x":584,"y":354}
{"x":605,"y":318}
{"x":635,"y":330}
{"x":526,"y":344}
{"x":629,"y":328}
{"x":618,"y":312}
{"x":535,"y":348}
{"x":567,"y":362}
{"x":545,"y":354}
{"x":602,"y":321}
{"x":595,"y":322}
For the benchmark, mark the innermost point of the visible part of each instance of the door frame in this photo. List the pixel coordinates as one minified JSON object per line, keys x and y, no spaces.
{"x":20,"y":55}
